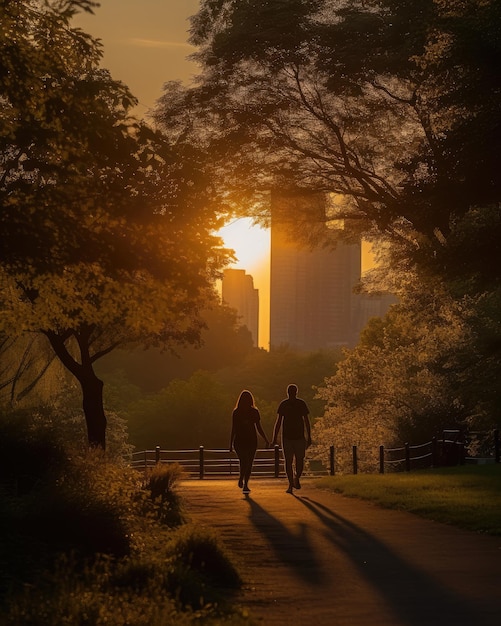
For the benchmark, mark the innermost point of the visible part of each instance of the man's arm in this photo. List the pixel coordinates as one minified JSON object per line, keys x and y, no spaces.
{"x":308,"y":430}
{"x":276,"y":429}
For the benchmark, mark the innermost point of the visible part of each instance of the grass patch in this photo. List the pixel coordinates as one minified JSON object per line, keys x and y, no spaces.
{"x":468,"y":496}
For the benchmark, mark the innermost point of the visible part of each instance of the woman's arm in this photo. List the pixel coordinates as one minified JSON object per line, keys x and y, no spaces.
{"x":232,"y":436}
{"x":262,"y":433}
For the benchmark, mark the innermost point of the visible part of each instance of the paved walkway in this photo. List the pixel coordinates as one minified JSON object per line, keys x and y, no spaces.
{"x":323,"y":559}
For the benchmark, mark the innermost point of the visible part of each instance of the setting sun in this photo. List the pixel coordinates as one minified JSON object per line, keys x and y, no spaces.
{"x":251,"y":245}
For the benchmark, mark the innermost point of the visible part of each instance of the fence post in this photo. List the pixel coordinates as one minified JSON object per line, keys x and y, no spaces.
{"x":497,"y":452}
{"x":145,"y":461}
{"x":201,"y":462}
{"x":434,"y":452}
{"x":381,"y":459}
{"x":277,"y":460}
{"x":157,"y":455}
{"x":407,"y":457}
{"x":332,"y":463}
{"x":355,"y":460}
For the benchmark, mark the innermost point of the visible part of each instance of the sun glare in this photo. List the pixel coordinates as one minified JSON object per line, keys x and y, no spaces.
{"x":251,"y":245}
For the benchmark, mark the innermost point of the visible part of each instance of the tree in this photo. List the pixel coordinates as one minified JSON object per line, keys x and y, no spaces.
{"x":224,"y":344}
{"x":373,"y":102}
{"x":421,"y":369}
{"x":105,"y":226}
{"x":25,"y":362}
{"x":185,"y":414}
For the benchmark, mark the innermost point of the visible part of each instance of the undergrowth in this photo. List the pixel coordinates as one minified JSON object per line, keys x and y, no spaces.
{"x":89,"y":541}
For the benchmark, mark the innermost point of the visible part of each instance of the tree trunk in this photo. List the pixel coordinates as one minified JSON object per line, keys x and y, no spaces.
{"x":95,"y":418}
{"x":91,"y":385}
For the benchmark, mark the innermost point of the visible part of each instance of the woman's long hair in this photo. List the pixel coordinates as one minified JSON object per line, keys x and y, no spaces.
{"x":245,"y":400}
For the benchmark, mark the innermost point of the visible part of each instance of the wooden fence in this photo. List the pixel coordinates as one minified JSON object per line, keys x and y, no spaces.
{"x":452,"y":449}
{"x":203,"y":462}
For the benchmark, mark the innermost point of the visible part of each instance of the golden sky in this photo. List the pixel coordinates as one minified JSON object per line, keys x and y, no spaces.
{"x":145,"y":43}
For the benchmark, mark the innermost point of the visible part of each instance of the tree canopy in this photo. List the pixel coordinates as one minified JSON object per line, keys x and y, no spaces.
{"x":375,"y":103}
{"x":105,"y":225}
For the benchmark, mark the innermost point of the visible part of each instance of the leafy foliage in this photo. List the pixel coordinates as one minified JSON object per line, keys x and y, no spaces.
{"x":374,"y":103}
{"x":105,"y":237}
{"x":197,"y":410}
{"x":415,"y":373}
{"x":223,"y":344}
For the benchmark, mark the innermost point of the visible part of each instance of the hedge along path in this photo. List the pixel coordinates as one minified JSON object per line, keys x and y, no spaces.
{"x":318,"y":558}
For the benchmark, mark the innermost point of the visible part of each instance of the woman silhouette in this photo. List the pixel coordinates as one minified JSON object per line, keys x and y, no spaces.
{"x":246,"y":420}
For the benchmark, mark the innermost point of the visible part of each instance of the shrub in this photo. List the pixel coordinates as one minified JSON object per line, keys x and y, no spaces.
{"x":200,"y":550}
{"x":161,"y":483}
{"x":30,"y":452}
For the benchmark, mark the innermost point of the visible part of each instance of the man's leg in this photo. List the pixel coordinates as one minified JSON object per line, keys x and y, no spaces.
{"x":288,"y":456}
{"x":300,"y":452}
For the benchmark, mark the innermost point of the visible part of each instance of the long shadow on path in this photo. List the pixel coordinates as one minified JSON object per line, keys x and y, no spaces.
{"x":417,"y":599}
{"x":293,"y":549}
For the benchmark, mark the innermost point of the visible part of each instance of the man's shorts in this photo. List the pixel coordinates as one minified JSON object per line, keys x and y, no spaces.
{"x":294,"y":447}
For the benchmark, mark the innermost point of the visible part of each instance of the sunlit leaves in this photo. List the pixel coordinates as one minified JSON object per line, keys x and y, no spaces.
{"x":376,"y":100}
{"x":105,"y":227}
{"x":414,"y":373}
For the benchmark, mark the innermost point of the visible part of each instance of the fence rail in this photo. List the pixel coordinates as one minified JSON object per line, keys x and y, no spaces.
{"x":204,"y":462}
{"x":452,"y":449}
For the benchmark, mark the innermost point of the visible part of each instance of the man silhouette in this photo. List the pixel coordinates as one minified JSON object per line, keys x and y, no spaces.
{"x":292,"y":417}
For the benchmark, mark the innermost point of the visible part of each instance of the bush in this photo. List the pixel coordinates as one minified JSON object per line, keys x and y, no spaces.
{"x":161,"y":481}
{"x":30,"y":451}
{"x":201,"y":551}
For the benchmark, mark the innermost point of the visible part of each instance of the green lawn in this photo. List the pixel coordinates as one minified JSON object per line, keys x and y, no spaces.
{"x":468,"y":497}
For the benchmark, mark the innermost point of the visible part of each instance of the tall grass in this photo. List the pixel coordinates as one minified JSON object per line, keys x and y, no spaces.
{"x":467,"y":496}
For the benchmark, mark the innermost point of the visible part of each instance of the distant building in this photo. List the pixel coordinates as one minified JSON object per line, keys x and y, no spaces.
{"x":312,"y":304}
{"x":373,"y":305}
{"x":238,"y":292}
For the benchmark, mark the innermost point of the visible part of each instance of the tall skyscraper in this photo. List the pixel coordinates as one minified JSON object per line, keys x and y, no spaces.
{"x":312,"y":305}
{"x":238,"y":292}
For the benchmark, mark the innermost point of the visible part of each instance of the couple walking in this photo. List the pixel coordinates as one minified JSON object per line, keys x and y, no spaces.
{"x":292,"y":418}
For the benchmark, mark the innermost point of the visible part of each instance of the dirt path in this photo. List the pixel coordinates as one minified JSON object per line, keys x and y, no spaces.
{"x":319,"y":558}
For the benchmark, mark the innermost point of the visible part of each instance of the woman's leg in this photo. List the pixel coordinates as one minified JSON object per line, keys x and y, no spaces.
{"x":249,"y":455}
{"x":246,"y":458}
